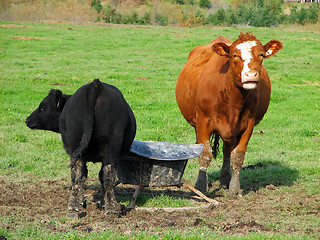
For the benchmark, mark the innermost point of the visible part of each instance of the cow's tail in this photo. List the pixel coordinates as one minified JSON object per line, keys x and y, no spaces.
{"x":92,"y":94}
{"x":215,"y":146}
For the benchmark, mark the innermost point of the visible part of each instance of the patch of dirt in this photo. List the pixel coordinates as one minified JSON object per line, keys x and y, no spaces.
{"x":26,"y":38}
{"x":12,"y":26}
{"x":307,"y":83}
{"x":142,"y":78}
{"x":267,"y":210}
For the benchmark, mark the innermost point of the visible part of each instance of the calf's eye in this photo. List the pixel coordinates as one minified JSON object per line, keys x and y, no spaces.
{"x":43,"y":108}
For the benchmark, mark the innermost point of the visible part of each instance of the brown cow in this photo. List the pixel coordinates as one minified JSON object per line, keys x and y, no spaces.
{"x":224,"y":91}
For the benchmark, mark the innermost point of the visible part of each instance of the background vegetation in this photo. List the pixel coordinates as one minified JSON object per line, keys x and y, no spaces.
{"x":189,"y":13}
{"x":144,"y":62}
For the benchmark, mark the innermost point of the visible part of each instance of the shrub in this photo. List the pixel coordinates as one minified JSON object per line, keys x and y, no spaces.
{"x":205,"y":4}
{"x":133,"y":18}
{"x":217,"y":18}
{"x":232,"y":18}
{"x":303,"y":14}
{"x":190,"y":19}
{"x":146,"y":18}
{"x":190,"y":2}
{"x":221,"y":15}
{"x":257,"y":13}
{"x":161,"y":19}
{"x":181,"y":2}
{"x":96,"y":4}
{"x":111,"y":15}
{"x":313,"y":15}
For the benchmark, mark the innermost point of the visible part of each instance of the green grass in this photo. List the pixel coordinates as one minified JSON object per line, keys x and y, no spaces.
{"x":144,"y":63}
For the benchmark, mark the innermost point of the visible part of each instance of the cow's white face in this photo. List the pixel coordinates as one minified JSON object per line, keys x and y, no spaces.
{"x":246,"y":55}
{"x":249,"y":77}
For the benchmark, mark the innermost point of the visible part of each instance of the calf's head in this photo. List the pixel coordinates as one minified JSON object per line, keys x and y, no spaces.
{"x":246,"y":55}
{"x":46,"y":116}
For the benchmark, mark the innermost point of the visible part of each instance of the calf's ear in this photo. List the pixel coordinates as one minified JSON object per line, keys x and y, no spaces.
{"x":271,"y":48}
{"x":221,"y":48}
{"x":58,"y":100}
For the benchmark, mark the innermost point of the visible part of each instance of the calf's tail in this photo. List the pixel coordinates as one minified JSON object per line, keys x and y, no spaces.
{"x":92,"y":93}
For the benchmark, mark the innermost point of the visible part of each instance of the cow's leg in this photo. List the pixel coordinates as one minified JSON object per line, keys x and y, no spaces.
{"x":79,"y":174}
{"x":203,"y":136}
{"x":204,"y":161}
{"x":237,"y":158}
{"x":225,"y":175}
{"x":107,"y":178}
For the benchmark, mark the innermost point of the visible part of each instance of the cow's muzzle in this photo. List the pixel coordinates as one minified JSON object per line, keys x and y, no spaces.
{"x":250,"y":79}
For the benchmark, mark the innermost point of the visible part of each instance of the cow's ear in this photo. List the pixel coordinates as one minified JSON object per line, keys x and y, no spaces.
{"x":271,"y":48}
{"x":221,"y":48}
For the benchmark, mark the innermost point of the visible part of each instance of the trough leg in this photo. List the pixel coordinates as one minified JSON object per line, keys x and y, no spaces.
{"x":107,"y":179}
{"x":135,"y":196}
{"x":77,"y":202}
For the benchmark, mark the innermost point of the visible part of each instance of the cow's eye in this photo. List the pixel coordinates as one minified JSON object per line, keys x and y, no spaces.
{"x":43,"y":108}
{"x":261,"y":55}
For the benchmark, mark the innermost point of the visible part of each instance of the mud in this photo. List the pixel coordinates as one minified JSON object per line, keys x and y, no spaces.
{"x":267,"y":210}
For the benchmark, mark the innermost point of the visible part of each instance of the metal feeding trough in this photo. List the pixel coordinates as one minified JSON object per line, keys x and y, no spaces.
{"x":157,"y":164}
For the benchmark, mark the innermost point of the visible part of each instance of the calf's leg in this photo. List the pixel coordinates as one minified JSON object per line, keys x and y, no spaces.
{"x":107,"y":177}
{"x":77,"y":202}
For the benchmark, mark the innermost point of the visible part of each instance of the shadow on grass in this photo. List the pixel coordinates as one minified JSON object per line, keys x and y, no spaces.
{"x":263,"y":173}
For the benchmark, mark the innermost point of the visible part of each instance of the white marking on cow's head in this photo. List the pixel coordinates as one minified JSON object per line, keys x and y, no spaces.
{"x":249,"y":78}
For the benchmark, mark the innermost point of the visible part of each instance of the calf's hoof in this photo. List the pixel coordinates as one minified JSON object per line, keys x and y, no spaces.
{"x":76,"y":210}
{"x":76,"y":214}
{"x":113,"y":209}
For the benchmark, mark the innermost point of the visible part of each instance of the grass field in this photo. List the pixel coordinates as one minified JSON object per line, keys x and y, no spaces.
{"x":144,"y":63}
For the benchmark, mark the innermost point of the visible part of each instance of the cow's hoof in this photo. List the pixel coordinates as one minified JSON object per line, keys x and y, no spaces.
{"x":224,"y":185}
{"x":225,"y":182}
{"x":201,"y":187}
{"x":76,"y":214}
{"x":201,"y":183}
